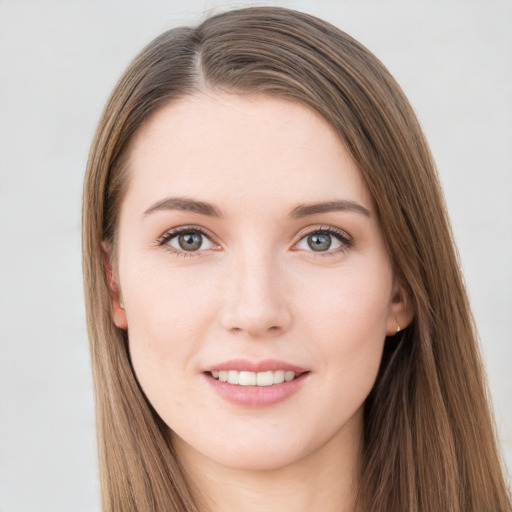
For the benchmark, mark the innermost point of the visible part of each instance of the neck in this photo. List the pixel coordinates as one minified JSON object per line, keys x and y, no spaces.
{"x":325,"y":480}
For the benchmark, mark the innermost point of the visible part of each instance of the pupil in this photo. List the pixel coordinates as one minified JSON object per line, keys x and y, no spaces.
{"x":319,"y":242}
{"x":190,"y":241}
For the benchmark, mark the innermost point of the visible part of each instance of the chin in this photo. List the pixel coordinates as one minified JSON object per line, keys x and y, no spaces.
{"x":260,"y":458}
{"x":263,"y":449}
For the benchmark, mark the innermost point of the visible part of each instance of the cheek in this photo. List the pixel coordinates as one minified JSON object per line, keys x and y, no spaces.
{"x":168,"y":302}
{"x":346,"y":318}
{"x":169,"y":313}
{"x":347,"y":302}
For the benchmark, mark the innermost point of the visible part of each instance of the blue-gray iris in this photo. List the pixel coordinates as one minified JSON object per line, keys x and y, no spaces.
{"x":319,"y":242}
{"x":190,"y":241}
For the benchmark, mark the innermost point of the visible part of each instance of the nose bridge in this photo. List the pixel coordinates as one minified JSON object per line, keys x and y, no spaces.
{"x":255,"y":300}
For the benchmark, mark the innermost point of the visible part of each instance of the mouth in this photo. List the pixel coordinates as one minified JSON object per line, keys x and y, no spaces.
{"x":261,"y":384}
{"x":260,"y":379}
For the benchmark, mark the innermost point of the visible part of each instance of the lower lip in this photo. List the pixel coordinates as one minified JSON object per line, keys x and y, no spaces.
{"x":256,"y":396}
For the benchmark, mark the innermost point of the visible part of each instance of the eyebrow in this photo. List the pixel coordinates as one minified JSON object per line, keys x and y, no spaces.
{"x":300,"y":211}
{"x":303,"y":210}
{"x":185,"y":204}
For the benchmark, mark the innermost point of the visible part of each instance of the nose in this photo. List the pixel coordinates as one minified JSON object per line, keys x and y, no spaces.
{"x":255,"y":301}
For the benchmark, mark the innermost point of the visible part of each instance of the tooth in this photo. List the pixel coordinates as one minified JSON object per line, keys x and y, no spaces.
{"x":288,"y":376}
{"x":278,"y":376}
{"x":265,"y":378}
{"x":247,"y":379}
{"x":233,"y":376}
{"x":253,"y":379}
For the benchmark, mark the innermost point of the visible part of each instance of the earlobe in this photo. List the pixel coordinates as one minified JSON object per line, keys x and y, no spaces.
{"x":119,"y":316}
{"x":400,"y":311}
{"x":118,"y":310}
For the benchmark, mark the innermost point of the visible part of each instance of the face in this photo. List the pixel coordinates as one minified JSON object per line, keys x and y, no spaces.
{"x":249,"y":251}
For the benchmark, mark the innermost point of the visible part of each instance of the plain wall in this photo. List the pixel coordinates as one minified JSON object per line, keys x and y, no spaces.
{"x":58,"y":62}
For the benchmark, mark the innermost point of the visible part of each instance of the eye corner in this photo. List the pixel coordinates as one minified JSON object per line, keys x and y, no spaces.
{"x":174,"y":233}
{"x":342,"y":239}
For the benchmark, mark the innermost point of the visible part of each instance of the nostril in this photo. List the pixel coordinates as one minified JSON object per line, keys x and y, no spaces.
{"x":261,"y":318}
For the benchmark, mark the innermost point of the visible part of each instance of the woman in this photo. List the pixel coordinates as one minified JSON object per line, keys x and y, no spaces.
{"x":276,"y":314}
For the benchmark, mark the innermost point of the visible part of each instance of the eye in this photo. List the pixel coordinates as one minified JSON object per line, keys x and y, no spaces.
{"x":186,"y":240}
{"x":325,"y":240}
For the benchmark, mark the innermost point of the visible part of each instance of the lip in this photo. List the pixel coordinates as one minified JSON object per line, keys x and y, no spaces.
{"x":255,"y":366}
{"x":256,"y":396}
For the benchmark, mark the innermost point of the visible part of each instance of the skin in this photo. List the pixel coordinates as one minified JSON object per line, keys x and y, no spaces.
{"x":255,"y":290}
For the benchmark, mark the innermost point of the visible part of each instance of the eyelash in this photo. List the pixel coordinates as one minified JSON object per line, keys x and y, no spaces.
{"x":169,"y":235}
{"x":343,"y":237}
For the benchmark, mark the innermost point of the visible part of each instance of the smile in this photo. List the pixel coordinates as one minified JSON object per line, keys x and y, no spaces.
{"x":246,"y":378}
{"x":256,"y":383}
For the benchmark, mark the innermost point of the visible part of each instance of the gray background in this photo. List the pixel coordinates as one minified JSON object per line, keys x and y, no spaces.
{"x":59,"y":61}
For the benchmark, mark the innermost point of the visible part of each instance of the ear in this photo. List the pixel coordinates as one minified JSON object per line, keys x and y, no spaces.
{"x":118,"y":312}
{"x":401,"y":311}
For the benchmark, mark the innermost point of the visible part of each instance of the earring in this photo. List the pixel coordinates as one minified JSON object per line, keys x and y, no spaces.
{"x":121,"y":305}
{"x":398,"y":328}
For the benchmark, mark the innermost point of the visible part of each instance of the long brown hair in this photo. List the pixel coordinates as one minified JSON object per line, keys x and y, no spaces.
{"x":429,"y":441}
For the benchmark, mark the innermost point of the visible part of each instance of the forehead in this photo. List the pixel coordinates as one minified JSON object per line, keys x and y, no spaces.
{"x":227,"y":146}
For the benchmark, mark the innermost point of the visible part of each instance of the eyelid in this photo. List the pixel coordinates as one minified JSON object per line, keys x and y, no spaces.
{"x":176,"y":231}
{"x":322,"y":228}
{"x":342,"y":236}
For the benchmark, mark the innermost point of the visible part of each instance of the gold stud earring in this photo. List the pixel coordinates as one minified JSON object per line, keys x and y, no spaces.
{"x":398,"y":328}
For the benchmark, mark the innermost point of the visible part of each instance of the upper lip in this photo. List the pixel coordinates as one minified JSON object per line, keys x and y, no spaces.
{"x":255,"y":366}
